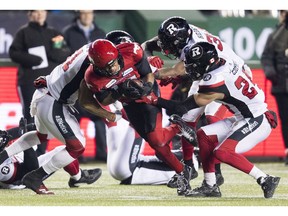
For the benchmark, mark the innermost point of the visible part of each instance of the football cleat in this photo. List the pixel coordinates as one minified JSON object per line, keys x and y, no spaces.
{"x":30,"y":180}
{"x":204,"y":191}
{"x":268,"y":185}
{"x":187,"y":131}
{"x":183,"y":180}
{"x":219,"y":179}
{"x":172,"y":183}
{"x":43,"y":190}
{"x":87,"y":177}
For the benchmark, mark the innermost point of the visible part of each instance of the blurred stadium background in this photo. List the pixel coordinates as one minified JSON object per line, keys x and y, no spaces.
{"x":245,"y":31}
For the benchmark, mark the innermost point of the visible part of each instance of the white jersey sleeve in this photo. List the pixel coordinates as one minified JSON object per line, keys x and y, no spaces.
{"x":63,"y":82}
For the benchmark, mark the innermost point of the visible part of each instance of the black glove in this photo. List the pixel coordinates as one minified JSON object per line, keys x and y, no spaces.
{"x":4,"y":139}
{"x":40,"y":82}
{"x":131,"y":89}
{"x":147,"y":88}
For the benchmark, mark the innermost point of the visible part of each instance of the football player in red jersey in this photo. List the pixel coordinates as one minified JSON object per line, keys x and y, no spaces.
{"x":51,"y":105}
{"x":109,"y":78}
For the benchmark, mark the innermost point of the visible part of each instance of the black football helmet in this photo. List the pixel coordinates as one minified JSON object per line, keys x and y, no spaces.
{"x":200,"y":58}
{"x":174,"y":34}
{"x":119,"y":36}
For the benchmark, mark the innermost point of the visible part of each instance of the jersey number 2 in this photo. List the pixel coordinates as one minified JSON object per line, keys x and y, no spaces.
{"x":247,"y":91}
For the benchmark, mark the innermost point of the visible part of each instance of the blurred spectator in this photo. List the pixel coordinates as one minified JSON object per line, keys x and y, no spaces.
{"x":37,"y":48}
{"x":84,"y":30}
{"x":275,"y":65}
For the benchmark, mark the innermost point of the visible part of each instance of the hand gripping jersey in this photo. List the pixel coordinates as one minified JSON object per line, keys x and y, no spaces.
{"x":63,"y":82}
{"x":134,"y":68}
{"x":242,"y":96}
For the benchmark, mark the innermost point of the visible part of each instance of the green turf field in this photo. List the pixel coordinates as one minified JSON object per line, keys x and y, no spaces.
{"x":239,"y":189}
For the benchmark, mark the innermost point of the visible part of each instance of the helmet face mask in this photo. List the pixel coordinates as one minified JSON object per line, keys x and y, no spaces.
{"x":108,"y":69}
{"x":200,"y":58}
{"x":174,"y":34}
{"x":104,"y":57}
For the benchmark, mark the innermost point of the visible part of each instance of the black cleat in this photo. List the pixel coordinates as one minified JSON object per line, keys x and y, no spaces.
{"x":204,"y":191}
{"x":219,"y":179}
{"x":187,"y":131}
{"x":43,"y":190}
{"x":183,"y":180}
{"x":30,"y":180}
{"x":173,"y":181}
{"x":268,"y":185}
{"x":87,"y":177}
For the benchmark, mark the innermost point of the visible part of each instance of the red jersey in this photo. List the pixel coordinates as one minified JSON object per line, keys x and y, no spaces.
{"x":134,"y":66}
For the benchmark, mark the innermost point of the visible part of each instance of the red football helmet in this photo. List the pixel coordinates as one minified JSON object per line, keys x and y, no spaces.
{"x":102,"y":54}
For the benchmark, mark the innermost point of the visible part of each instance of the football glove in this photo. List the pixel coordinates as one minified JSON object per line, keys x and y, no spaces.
{"x":40,"y":82}
{"x":150,"y":99}
{"x":131,"y":89}
{"x":135,"y":88}
{"x":155,"y":61}
{"x":174,"y":80}
{"x":272,"y":118}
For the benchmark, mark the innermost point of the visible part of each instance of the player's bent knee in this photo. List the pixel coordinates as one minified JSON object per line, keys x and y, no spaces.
{"x":75,"y":148}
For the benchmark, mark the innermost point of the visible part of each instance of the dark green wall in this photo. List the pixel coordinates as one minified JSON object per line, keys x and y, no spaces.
{"x":144,"y":24}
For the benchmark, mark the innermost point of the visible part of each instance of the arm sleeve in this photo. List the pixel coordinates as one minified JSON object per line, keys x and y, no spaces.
{"x":150,"y":46}
{"x":143,"y":66}
{"x":178,"y":107}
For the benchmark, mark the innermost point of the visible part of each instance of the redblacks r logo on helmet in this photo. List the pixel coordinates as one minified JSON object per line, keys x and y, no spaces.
{"x":196,"y":51}
{"x":172,"y":28}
